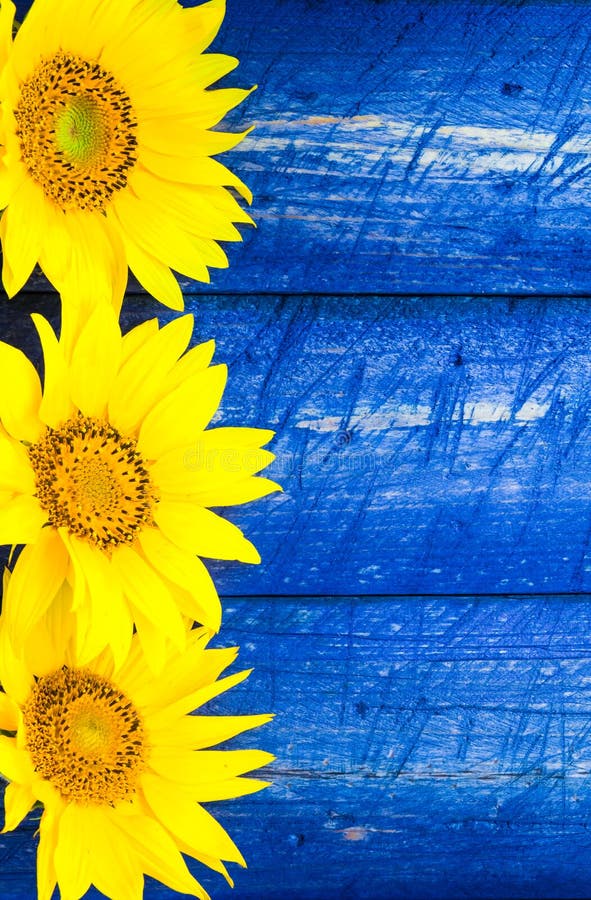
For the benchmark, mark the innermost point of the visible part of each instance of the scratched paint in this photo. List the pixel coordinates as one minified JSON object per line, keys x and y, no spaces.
{"x":434,"y":445}
{"x":427,"y":747}
{"x":448,"y":758}
{"x":382,"y":127}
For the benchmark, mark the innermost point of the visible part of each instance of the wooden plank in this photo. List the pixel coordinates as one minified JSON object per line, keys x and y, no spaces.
{"x":415,"y":146}
{"x":422,"y":146}
{"x":429,"y":445}
{"x":427,"y":747}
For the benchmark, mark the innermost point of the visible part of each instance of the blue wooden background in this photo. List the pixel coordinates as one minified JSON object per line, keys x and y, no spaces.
{"x":413,"y":316}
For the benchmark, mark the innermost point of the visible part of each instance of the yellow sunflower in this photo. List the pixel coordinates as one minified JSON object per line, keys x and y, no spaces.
{"x":106,"y":122}
{"x":107,"y":475}
{"x":118,"y":763}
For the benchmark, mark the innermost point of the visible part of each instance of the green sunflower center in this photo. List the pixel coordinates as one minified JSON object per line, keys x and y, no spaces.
{"x":81,"y":131}
{"x":93,"y":481}
{"x":77,"y":131}
{"x":84,"y":736}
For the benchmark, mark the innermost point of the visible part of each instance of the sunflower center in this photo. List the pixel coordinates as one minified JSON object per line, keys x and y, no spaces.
{"x":92,"y":481}
{"x":77,"y":131}
{"x":84,"y":736}
{"x":81,"y":131}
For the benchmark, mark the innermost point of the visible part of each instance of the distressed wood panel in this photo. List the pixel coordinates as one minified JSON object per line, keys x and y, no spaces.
{"x":427,"y":748}
{"x":430,"y":445}
{"x":407,"y":147}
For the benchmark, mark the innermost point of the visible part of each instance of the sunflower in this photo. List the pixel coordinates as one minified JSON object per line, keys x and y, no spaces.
{"x":118,"y":763}
{"x":107,"y":161}
{"x":107,"y":475}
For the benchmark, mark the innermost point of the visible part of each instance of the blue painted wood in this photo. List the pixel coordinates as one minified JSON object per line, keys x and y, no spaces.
{"x":434,"y":445}
{"x":422,"y":146}
{"x":427,"y":748}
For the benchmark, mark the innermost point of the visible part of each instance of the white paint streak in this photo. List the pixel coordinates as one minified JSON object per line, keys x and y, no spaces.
{"x":472,"y":149}
{"x":481,"y":412}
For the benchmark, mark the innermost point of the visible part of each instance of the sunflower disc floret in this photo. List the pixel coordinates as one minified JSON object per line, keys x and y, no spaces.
{"x":84,"y":736}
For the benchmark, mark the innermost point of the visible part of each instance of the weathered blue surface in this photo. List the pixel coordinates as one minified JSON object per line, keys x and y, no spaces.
{"x":427,"y":748}
{"x":432,"y":747}
{"x":426,"y":445}
{"x":406,"y":147}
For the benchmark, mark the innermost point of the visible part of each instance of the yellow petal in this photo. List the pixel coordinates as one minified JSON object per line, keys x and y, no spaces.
{"x":7,"y":13}
{"x":139,"y":379}
{"x":186,"y":672}
{"x":24,"y":227}
{"x":180,"y":416}
{"x":9,"y":713}
{"x":73,"y":853}
{"x":48,"y":830}
{"x":237,"y":491}
{"x":19,"y":406}
{"x":193,"y":767}
{"x":15,"y":676}
{"x":115,"y":869}
{"x":196,"y":699}
{"x":188,"y":572}
{"x":196,"y":469}
{"x":95,"y":361}
{"x":15,"y":765}
{"x":194,"y":360}
{"x":197,"y":732}
{"x":16,"y":472}
{"x":56,"y":405}
{"x":153,"y":275}
{"x":203,"y":532}
{"x":203,"y":22}
{"x":18,"y":801}
{"x":193,"y":170}
{"x":146,"y":591}
{"x":187,"y":820}
{"x":48,"y":644}
{"x":158,"y":854}
{"x":21,"y":520}
{"x":38,"y":575}
{"x":161,"y":237}
{"x":107,"y":619}
{"x":228,"y":789}
{"x":136,"y":337}
{"x":89,"y":266}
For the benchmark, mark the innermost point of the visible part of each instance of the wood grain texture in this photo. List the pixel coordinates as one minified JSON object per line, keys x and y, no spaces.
{"x":427,"y":748}
{"x":402,"y":147}
{"x":434,"y":445}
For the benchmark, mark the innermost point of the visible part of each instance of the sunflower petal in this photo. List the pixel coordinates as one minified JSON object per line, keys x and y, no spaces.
{"x":188,"y":820}
{"x":21,"y":520}
{"x":158,"y":855}
{"x":197,"y":732}
{"x":203,"y":532}
{"x":19,"y":406}
{"x":38,"y":575}
{"x":95,"y":361}
{"x":188,"y":572}
{"x":16,"y":472}
{"x":73,"y":852}
{"x":56,"y":405}
{"x":7,"y":13}
{"x":146,"y":591}
{"x":169,"y":424}
{"x":140,"y":376}
{"x":18,"y":802}
{"x":24,"y":229}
